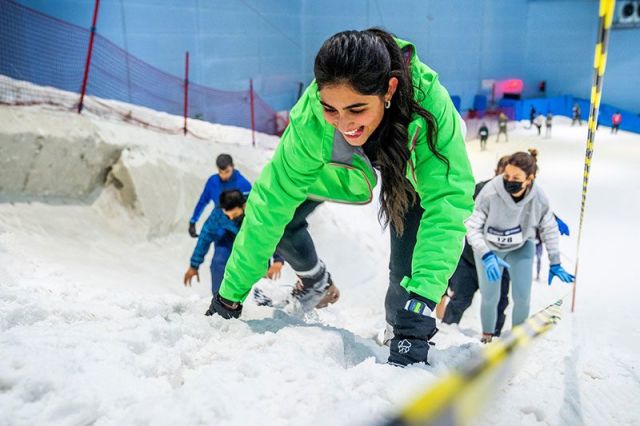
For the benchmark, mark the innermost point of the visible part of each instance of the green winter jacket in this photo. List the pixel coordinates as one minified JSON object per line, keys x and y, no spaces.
{"x":313,"y":160}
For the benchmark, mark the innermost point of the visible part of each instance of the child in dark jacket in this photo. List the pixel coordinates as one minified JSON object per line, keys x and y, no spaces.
{"x":221,"y":229}
{"x":227,"y":178}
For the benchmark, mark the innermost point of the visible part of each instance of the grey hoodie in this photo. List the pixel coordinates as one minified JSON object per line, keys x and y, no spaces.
{"x":498,"y":223}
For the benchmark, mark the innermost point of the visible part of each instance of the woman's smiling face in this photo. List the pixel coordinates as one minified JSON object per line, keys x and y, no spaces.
{"x":356,"y":116}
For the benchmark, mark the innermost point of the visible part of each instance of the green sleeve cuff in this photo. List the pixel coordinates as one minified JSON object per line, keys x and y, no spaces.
{"x":429,"y":291}
{"x":231,"y":295}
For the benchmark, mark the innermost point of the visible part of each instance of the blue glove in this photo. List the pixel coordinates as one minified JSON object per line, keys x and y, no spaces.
{"x":562,"y":227}
{"x":492,"y":264}
{"x":558,"y":271}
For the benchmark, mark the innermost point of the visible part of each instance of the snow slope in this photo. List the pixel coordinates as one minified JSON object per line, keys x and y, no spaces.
{"x":98,"y":329}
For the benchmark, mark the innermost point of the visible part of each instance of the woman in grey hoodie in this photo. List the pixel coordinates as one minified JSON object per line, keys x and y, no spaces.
{"x":502,"y":231}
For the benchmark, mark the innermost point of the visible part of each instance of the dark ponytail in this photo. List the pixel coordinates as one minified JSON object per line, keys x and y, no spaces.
{"x":366,"y":60}
{"x":526,"y":161}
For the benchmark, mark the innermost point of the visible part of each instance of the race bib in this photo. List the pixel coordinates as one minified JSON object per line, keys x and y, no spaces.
{"x":505,"y":237}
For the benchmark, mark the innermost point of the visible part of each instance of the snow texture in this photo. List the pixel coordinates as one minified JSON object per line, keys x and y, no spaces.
{"x":96,"y":327}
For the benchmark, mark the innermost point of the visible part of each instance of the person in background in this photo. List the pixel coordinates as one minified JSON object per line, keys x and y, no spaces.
{"x":532,"y":115}
{"x":576,"y":114}
{"x":548,"y":123}
{"x":227,"y":178}
{"x":538,"y":122}
{"x":616,"y":119}
{"x":502,"y":229}
{"x":483,"y":134}
{"x":502,"y":127}
{"x":463,"y":284}
{"x":220,"y":229}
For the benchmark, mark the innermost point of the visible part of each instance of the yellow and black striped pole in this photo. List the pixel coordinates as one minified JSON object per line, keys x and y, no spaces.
{"x":456,"y":398}
{"x":599,"y":63}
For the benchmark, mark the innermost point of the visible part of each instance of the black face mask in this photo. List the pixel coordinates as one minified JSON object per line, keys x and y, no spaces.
{"x":512,"y":187}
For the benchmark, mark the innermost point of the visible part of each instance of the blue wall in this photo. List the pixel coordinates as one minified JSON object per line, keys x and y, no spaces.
{"x":275,"y":41}
{"x":561,"y":36}
{"x":465,"y":41}
{"x":622,"y":81}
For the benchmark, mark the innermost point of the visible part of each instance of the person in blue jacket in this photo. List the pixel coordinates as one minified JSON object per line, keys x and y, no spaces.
{"x":220,"y":229}
{"x":227,"y":178}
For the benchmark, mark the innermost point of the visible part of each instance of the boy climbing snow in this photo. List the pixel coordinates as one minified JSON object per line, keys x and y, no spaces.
{"x":221,"y":229}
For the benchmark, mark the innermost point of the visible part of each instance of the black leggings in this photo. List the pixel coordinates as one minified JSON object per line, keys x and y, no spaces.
{"x":400,"y":261}
{"x":296,"y":245}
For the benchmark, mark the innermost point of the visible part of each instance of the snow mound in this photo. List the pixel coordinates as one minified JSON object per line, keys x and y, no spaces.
{"x":60,"y":157}
{"x":51,"y":165}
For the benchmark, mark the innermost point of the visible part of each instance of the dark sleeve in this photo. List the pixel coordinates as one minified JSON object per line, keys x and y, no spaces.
{"x":479,"y":187}
{"x":244,"y":185}
{"x":206,"y":237}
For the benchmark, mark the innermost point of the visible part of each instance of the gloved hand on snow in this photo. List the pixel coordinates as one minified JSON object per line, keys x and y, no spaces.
{"x":192,"y":230}
{"x":414,"y":327}
{"x":492,"y":264}
{"x":223,"y":307}
{"x":558,"y":271}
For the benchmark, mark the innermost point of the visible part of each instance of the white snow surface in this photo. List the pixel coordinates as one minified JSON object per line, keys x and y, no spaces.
{"x":97,"y":328}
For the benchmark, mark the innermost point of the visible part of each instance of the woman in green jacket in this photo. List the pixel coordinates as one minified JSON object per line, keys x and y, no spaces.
{"x":373,"y":105}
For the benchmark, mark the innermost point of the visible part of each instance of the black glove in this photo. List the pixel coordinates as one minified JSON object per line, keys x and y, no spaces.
{"x":412,"y":332}
{"x":192,"y":230}
{"x":223,"y":307}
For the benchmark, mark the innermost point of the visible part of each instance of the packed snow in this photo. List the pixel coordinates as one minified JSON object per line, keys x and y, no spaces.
{"x":97,"y":327}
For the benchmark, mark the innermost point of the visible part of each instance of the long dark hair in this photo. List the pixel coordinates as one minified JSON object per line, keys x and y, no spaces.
{"x":366,"y":60}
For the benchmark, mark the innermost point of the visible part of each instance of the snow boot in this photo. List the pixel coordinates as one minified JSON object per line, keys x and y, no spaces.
{"x":385,"y":335}
{"x":486,"y":338}
{"x":315,"y":290}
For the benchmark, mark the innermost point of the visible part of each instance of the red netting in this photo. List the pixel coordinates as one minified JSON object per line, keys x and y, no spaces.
{"x":46,"y":51}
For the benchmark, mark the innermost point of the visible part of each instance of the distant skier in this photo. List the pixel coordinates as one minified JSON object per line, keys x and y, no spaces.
{"x":502,"y":127}
{"x":361,"y":114}
{"x":576,"y":114}
{"x":220,"y":229}
{"x":548,"y":122}
{"x":616,"y":119}
{"x":483,"y":134}
{"x":226,"y":178}
{"x":463,"y":284}
{"x":538,"y":122}
{"x":502,"y":230}
{"x":532,"y":115}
